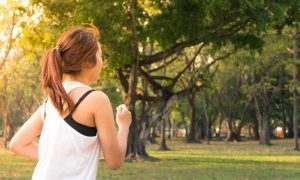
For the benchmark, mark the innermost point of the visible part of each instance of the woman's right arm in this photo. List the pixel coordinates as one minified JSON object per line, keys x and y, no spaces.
{"x":113,"y":143}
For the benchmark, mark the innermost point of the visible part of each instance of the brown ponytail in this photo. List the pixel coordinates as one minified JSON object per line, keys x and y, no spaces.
{"x":73,"y":48}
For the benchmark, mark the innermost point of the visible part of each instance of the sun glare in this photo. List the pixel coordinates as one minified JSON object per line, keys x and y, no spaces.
{"x":6,"y":13}
{"x":3,"y":2}
{"x":23,"y":2}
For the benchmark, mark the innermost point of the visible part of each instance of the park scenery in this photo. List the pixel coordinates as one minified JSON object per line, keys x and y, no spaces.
{"x":212,"y":85}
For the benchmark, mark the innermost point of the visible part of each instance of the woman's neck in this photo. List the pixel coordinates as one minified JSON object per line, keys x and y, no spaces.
{"x":82,"y":79}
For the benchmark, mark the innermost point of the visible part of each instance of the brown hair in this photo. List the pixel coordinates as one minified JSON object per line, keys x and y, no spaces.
{"x":74,"y":47}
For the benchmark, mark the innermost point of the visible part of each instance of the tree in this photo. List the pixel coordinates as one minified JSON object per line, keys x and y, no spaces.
{"x":291,"y":21}
{"x":13,"y":15}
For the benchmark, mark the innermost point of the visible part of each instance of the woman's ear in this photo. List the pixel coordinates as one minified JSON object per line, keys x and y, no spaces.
{"x":87,"y":64}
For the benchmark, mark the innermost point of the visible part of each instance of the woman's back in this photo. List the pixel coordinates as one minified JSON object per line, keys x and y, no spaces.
{"x":68,"y":147}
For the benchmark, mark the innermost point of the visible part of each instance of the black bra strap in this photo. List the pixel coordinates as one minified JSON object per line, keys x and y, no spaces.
{"x":80,"y":100}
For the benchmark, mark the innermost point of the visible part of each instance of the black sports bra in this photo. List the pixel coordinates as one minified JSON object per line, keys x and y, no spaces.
{"x":83,"y":129}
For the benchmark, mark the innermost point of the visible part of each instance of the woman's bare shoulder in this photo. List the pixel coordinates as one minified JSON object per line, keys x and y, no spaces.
{"x":100,"y":106}
{"x":99,"y":97}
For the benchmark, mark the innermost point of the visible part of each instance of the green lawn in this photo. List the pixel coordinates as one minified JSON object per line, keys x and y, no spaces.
{"x":245,"y":160}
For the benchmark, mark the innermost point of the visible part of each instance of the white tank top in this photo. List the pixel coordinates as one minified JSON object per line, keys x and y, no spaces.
{"x":64,"y":153}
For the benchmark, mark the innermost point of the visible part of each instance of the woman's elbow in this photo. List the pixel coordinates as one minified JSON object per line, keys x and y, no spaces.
{"x":114,"y":168}
{"x":115,"y":165}
{"x":12,"y":146}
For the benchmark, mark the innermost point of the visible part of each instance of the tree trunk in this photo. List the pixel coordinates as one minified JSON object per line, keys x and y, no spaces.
{"x":227,"y":116}
{"x":165,"y":116}
{"x":264,"y":132}
{"x":218,"y":133}
{"x":169,"y":128}
{"x":200,"y":128}
{"x":295,"y":122}
{"x":290,"y":127}
{"x":238,"y":132}
{"x":282,"y":93}
{"x":153,"y":135}
{"x":4,"y":112}
{"x":184,"y":123}
{"x":230,"y":132}
{"x":263,"y":122}
{"x":238,"y":129}
{"x":192,"y":136}
{"x":207,"y":132}
{"x":262,"y":110}
{"x":163,"y":144}
{"x":284,"y":128}
{"x":255,"y":129}
{"x":135,"y":146}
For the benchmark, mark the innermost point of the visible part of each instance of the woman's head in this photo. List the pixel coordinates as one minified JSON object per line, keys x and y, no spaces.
{"x":77,"y":49}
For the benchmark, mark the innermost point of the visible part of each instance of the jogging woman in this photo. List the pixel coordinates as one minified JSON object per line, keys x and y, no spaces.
{"x":75,"y":122}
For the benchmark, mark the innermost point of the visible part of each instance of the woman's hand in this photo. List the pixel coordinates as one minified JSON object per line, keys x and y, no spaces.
{"x":123,"y":116}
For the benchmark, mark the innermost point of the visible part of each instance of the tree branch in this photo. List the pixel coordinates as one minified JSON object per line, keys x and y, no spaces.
{"x":220,"y":58}
{"x":9,"y":43}
{"x":162,"y":78}
{"x":122,"y":79}
{"x":150,"y":80}
{"x":162,"y":66}
{"x":187,"y":91}
{"x":187,"y":66}
{"x":147,"y":98}
{"x":164,"y":54}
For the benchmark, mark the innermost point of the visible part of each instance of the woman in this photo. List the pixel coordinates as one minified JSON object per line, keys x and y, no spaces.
{"x":75,"y":122}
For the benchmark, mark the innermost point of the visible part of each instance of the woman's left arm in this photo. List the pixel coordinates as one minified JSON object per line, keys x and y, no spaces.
{"x":22,"y":142}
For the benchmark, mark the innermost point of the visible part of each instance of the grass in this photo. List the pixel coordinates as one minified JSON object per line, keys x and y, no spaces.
{"x":219,"y":160}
